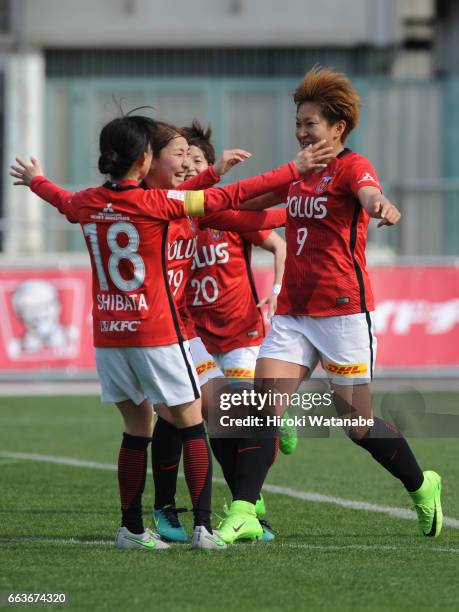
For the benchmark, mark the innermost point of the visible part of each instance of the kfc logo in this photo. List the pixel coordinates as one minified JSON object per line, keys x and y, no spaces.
{"x":119,"y":326}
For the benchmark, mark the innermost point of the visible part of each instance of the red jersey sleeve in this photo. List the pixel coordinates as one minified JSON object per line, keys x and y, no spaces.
{"x":245,"y":221}
{"x":282,"y":194}
{"x":256,"y":238}
{"x":361,"y":174}
{"x":203,"y":180}
{"x":261,"y":184}
{"x":56,"y":196}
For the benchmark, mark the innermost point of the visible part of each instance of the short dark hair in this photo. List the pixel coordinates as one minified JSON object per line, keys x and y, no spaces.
{"x":196,"y":136}
{"x":122,"y":141}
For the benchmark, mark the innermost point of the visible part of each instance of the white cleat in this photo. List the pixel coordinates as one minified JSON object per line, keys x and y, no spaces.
{"x":148,"y":540}
{"x":205,"y":540}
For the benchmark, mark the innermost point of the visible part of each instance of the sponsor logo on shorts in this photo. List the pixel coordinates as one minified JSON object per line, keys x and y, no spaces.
{"x":119,"y":326}
{"x":350,"y":369}
{"x":206,"y":366}
{"x":239,"y":373}
{"x":253,"y":333}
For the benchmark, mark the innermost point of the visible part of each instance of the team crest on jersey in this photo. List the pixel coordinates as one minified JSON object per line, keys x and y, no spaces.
{"x":216,"y":234}
{"x":324,"y":183}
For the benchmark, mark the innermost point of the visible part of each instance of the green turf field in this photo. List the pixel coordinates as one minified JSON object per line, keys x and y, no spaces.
{"x":58,"y":523}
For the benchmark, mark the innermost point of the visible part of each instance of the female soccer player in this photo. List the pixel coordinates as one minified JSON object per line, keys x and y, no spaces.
{"x":168,"y":166}
{"x":141,"y":354}
{"x":171,"y":164}
{"x":325,"y":303}
{"x":228,"y":315}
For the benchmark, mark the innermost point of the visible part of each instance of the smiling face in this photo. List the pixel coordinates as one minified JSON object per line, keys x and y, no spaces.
{"x":197,"y":160}
{"x":312,"y":126}
{"x":171,"y":166}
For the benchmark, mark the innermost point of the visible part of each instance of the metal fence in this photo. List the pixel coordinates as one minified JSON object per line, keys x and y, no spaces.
{"x":409,"y":130}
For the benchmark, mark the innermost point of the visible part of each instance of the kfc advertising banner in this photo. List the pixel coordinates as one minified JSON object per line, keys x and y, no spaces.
{"x":45,"y":318}
{"x":45,"y":321}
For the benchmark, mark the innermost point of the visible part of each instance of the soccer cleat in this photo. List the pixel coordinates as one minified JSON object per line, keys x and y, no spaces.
{"x":260,"y":511}
{"x":167,"y":524}
{"x":206,"y":540}
{"x":268,"y":535}
{"x":148,"y":540}
{"x":428,"y":505}
{"x":241,"y":523}
{"x":288,"y":438}
{"x":260,"y":507}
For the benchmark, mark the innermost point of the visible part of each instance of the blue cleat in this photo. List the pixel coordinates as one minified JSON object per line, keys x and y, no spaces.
{"x":167,"y":524}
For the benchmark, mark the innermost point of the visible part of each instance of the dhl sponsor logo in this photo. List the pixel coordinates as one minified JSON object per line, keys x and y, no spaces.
{"x":206,"y":366}
{"x":239,"y":373}
{"x":351,"y":369}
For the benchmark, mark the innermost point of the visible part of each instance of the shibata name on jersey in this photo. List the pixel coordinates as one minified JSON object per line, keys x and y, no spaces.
{"x":325,"y":271}
{"x":221,"y":296}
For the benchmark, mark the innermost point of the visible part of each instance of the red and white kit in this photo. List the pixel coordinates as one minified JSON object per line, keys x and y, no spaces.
{"x":126,"y":231}
{"x":223,"y":301}
{"x":325,"y":301}
{"x":186,"y":277}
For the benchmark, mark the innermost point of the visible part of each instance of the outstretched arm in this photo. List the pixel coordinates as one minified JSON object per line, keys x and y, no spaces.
{"x":212,"y":175}
{"x":31,"y":175}
{"x":245,"y":221}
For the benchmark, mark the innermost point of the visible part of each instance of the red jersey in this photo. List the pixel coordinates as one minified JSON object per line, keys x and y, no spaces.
{"x":183,"y":243}
{"x":325,"y":270}
{"x":125,"y":229}
{"x":183,"y":236}
{"x":221,"y":296}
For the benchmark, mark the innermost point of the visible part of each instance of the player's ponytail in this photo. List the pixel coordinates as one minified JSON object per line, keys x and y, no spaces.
{"x":122,"y":142}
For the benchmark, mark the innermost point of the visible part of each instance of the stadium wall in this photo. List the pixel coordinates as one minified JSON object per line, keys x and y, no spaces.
{"x":46,"y":323}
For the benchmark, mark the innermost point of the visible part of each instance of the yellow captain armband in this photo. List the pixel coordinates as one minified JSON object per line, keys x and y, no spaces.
{"x":194,"y":203}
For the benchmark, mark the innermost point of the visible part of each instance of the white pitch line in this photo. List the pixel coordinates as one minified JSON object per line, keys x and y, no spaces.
{"x":370,"y":547}
{"x":377,"y":548}
{"x":55,"y":540}
{"x":309,"y":496}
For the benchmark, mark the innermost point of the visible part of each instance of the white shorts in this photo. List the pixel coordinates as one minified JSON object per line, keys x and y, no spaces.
{"x":163,"y":374}
{"x":345,"y":345}
{"x":238,"y":363}
{"x":206,"y":366}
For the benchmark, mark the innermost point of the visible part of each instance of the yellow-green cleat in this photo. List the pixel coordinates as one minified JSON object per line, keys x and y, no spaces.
{"x":288,"y":438}
{"x":241,"y":523}
{"x":427,"y":504}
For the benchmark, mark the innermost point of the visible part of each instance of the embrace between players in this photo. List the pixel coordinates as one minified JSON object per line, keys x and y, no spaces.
{"x":174,"y":305}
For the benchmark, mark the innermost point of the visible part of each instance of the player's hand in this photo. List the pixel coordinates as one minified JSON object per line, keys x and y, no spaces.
{"x":271,"y":300}
{"x":26,"y":172}
{"x":314,"y":157}
{"x":230,"y":158}
{"x":388,"y":213}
